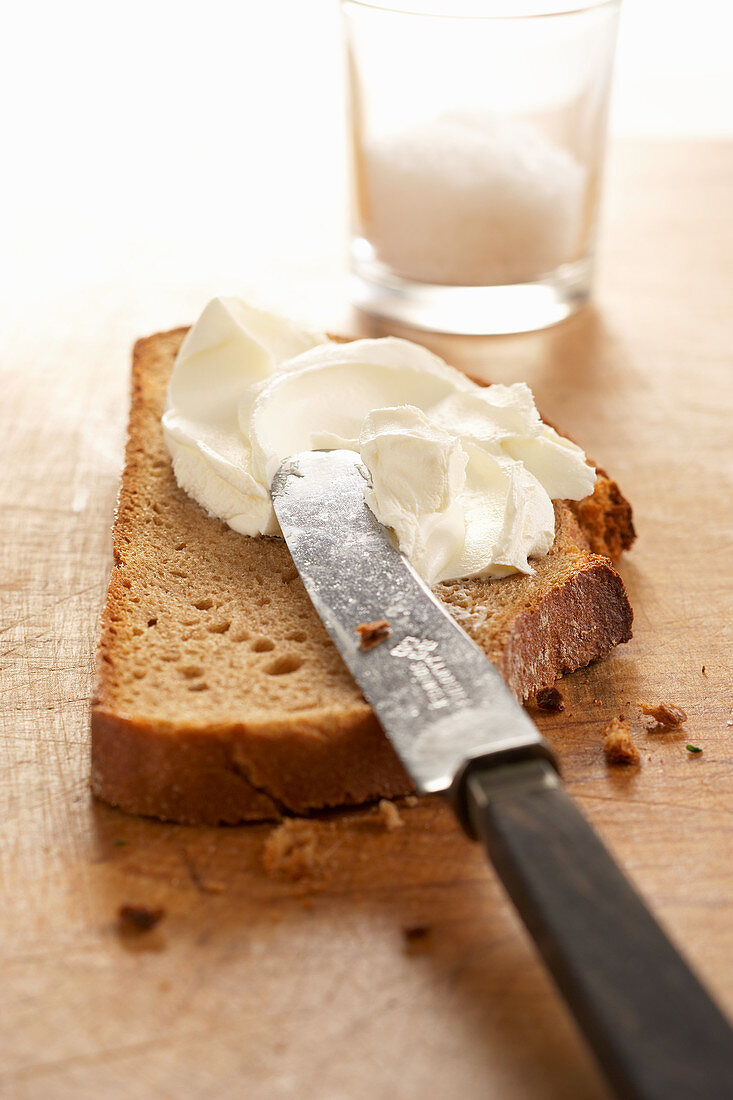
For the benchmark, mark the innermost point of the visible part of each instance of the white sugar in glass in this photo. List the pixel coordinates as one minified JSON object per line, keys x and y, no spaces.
{"x":478,"y":131}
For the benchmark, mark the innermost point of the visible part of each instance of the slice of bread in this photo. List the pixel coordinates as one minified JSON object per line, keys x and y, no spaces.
{"x":220,"y":697}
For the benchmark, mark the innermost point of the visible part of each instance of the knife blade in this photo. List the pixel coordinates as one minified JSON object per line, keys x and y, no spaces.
{"x":460,"y":732}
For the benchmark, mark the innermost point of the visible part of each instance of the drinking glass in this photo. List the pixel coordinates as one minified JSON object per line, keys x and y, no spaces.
{"x":477,"y":130}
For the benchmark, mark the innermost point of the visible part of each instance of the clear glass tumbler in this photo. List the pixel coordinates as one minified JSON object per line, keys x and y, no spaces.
{"x":478,"y":130}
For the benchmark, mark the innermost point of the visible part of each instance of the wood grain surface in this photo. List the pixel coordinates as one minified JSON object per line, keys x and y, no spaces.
{"x":258,"y":986}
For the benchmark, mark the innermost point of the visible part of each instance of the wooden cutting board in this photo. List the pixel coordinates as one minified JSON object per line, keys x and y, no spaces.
{"x":260,"y":986}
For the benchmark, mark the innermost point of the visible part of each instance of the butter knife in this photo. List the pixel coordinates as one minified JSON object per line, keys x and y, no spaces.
{"x":459,"y":732}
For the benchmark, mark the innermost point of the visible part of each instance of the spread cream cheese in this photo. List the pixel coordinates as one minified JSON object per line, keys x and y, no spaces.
{"x":231,"y":347}
{"x":464,"y":475}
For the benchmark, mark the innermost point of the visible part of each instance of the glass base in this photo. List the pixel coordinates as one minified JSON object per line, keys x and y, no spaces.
{"x":470,"y":310}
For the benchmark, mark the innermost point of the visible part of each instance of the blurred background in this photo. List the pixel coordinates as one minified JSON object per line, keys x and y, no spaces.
{"x":162,"y":152}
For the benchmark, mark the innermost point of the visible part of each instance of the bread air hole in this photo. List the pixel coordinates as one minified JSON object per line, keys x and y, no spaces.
{"x":297,"y":636}
{"x":262,"y":645}
{"x":289,"y":662}
{"x":218,"y":628}
{"x":200,"y":686}
{"x":203,"y":605}
{"x":191,"y":671}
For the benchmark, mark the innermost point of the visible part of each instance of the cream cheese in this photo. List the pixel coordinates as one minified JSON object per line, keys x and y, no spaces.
{"x":232,"y":346}
{"x":464,"y":475}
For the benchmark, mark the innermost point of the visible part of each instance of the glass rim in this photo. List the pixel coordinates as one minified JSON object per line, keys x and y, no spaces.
{"x":528,"y":11}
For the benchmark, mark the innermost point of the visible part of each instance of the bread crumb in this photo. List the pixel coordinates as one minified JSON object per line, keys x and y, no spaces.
{"x":290,"y":851}
{"x":550,"y":699}
{"x":390,"y":815}
{"x":411,"y":800}
{"x":666,"y":715}
{"x":213,"y":887}
{"x":372,"y":634}
{"x":617,"y":744}
{"x":597,"y":703}
{"x":138,"y":918}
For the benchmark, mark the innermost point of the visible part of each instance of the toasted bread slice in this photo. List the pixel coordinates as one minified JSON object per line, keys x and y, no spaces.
{"x":220,"y":697}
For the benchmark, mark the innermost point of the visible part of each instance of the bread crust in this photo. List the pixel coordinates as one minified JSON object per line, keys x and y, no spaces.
{"x":605,"y":518}
{"x":221,"y":754}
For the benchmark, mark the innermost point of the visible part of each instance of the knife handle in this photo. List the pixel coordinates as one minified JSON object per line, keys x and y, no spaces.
{"x":652,"y":1026}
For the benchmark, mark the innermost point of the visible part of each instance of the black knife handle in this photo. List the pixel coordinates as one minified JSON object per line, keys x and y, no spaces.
{"x":652,"y":1026}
